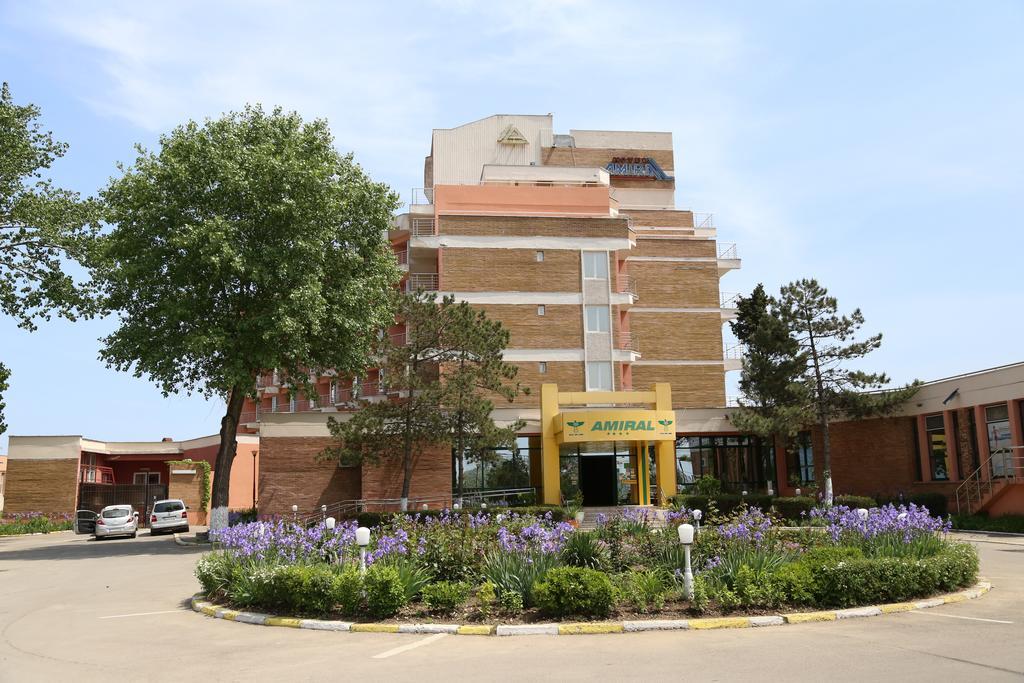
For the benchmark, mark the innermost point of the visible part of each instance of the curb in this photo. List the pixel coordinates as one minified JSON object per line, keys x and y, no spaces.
{"x":189,"y":544}
{"x":199,"y":604}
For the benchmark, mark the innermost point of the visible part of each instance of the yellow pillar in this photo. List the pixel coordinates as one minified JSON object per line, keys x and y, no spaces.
{"x":551,"y":480}
{"x":643,"y":478}
{"x":665,"y":451}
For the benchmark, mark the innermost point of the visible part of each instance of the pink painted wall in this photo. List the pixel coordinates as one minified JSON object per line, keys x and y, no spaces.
{"x":521,"y":199}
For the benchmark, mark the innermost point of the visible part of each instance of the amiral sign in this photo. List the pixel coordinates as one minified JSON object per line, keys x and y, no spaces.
{"x":636,"y":167}
{"x":615,"y":425}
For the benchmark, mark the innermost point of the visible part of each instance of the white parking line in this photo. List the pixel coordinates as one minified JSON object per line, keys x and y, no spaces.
{"x":144,"y":614}
{"x":410,"y":646}
{"x":928,"y":613}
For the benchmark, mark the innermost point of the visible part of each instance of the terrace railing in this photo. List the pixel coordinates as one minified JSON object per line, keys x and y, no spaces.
{"x":1001,"y":468}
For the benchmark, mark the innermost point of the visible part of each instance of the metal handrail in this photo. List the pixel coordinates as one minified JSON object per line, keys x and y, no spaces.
{"x":428,"y":282}
{"x":735,"y":351}
{"x":626,"y":284}
{"x":703,"y":221}
{"x":402,"y":257}
{"x":976,"y":488}
{"x":728,"y":299}
{"x":423,"y":227}
{"x":727,"y":251}
{"x":629,"y":342}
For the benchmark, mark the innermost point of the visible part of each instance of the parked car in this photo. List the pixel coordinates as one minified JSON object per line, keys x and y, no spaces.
{"x":85,"y":522}
{"x":168,"y":515}
{"x":117,"y":520}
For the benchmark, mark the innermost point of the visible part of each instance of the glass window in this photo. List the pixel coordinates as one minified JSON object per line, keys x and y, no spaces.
{"x":273,"y":404}
{"x":116,"y":513}
{"x":541,"y":310}
{"x":935,"y":437}
{"x":595,"y":265}
{"x":997,"y":427}
{"x":168,"y":506}
{"x":599,"y":376}
{"x":540,"y":257}
{"x":800,"y":468}
{"x":146,"y":477}
{"x":542,"y":367}
{"x":495,"y":468}
{"x":597,"y":318}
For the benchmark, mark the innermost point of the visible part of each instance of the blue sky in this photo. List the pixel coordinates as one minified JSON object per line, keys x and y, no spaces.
{"x":876,"y":146}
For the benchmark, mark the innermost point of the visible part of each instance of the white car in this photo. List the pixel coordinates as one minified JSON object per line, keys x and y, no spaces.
{"x":117,"y":520}
{"x":168,"y":515}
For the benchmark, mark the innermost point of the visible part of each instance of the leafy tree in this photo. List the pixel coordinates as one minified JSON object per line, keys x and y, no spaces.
{"x":473,"y":370}
{"x":40,"y":224}
{"x":247,"y":243}
{"x":776,"y":402}
{"x":439,"y":372}
{"x":5,"y":375}
{"x":827,"y":345}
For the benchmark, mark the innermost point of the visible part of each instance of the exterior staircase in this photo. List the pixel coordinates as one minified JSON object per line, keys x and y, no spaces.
{"x":1000,"y":472}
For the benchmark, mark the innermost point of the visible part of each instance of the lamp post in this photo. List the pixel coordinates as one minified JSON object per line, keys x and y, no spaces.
{"x":323,"y":512}
{"x":797,"y":492}
{"x":697,"y":514}
{"x":686,"y":538}
{"x":295,"y":513}
{"x":362,"y":540}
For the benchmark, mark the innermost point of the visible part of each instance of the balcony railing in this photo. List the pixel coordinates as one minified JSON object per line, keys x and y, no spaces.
{"x":422,"y":195}
{"x":428,"y":282}
{"x":626,"y":284}
{"x":423,"y":227}
{"x":628,"y":342}
{"x":727,"y":251}
{"x":729,"y":300}
{"x":95,"y":474}
{"x":703,"y":221}
{"x":402,"y":257}
{"x":735,"y":351}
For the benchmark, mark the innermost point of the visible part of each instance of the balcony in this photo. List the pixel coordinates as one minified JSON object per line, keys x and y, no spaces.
{"x":403,"y":259}
{"x":733,"y":356}
{"x":423,"y":196}
{"x":427,"y":282}
{"x":627,"y":341}
{"x":728,"y":300}
{"x":423,"y":227}
{"x":727,"y":251}
{"x":95,"y":474}
{"x":703,"y":221}
{"x":626,"y":284}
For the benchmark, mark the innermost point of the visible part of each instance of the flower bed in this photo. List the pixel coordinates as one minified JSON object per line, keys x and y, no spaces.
{"x":34,"y":523}
{"x":513,"y":567}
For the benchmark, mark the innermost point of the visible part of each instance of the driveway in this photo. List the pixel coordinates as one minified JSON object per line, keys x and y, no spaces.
{"x":81,"y":610}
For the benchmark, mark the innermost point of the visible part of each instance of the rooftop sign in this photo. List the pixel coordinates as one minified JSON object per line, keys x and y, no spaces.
{"x":636,"y":167}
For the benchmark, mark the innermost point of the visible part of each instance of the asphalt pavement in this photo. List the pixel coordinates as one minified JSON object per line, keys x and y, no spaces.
{"x":72,"y":608}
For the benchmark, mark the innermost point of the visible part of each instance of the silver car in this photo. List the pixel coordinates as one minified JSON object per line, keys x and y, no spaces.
{"x":168,"y":515}
{"x":117,"y":520}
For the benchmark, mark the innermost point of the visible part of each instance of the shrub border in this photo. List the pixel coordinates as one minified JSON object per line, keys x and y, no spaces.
{"x":199,"y":604}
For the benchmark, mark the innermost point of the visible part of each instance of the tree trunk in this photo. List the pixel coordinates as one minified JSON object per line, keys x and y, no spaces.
{"x":407,"y":457}
{"x":819,"y":385}
{"x":225,"y":456}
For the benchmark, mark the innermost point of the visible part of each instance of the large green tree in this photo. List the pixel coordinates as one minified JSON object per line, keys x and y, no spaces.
{"x":776,"y":402}
{"x":41,"y":227}
{"x":246,"y":243}
{"x":5,"y":374}
{"x":827,"y":346}
{"x":438,"y":373}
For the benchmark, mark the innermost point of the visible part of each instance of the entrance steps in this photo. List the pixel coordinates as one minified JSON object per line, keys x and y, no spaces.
{"x":655,"y":516}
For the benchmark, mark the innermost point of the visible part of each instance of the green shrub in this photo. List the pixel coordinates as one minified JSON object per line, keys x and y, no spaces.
{"x":585,"y":549}
{"x":446,"y":596}
{"x":511,"y":601}
{"x":348,"y":591}
{"x":385,"y":594}
{"x":216,"y":573}
{"x":854,"y":502}
{"x":701,"y":595}
{"x":707,"y":485}
{"x":574,"y":590}
{"x":1013,"y":524}
{"x":644,"y":590}
{"x":794,"y":508}
{"x":734,"y":557}
{"x":796,"y":581}
{"x":486,"y":596}
{"x":758,"y":588}
{"x":518,"y":572}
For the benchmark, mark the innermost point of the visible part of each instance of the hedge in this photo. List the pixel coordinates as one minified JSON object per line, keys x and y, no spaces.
{"x":936,"y":503}
{"x":374,"y":519}
{"x":790,"y":508}
{"x":1013,"y":524}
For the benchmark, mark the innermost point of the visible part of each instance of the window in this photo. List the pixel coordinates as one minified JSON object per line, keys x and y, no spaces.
{"x":169,"y":506}
{"x":542,"y":368}
{"x":935,"y":437}
{"x":497,"y":468}
{"x":595,"y":265}
{"x":146,"y":478}
{"x":273,"y":404}
{"x":540,"y":257}
{"x":597,"y":318}
{"x":599,"y":376}
{"x":800,"y":468}
{"x":334,"y":392}
{"x":997,"y":426}
{"x":540,"y":309}
{"x":291,"y":403}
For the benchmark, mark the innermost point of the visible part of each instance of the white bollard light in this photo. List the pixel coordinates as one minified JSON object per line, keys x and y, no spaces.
{"x":863,"y":514}
{"x":456,"y":506}
{"x":483,"y":506}
{"x":797,"y":492}
{"x":329,"y":523}
{"x":686,"y":538}
{"x":362,"y":540}
{"x":697,"y":515}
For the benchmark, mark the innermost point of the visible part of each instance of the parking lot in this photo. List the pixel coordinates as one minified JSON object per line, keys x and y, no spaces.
{"x":74,"y":608}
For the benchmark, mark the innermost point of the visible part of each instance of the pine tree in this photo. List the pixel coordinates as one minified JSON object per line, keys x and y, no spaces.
{"x":827,"y":345}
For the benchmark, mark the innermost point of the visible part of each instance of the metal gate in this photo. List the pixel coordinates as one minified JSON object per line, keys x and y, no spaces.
{"x":141,"y":497}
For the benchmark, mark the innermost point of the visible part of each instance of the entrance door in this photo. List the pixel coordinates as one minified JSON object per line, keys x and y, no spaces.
{"x":598,"y":481}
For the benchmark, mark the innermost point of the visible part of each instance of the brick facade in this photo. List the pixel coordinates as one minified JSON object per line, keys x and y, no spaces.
{"x":290,"y":475}
{"x":41,"y":485}
{"x":870,"y":457}
{"x":431,"y":477}
{"x":480,"y":270}
{"x":533,"y":226}
{"x":679,"y":336}
{"x":584,"y":157}
{"x":188,"y":487}
{"x":693,"y":386}
{"x":674,"y":284}
{"x":560,"y":327}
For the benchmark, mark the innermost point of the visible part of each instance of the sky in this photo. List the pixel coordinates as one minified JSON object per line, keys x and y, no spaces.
{"x":875,"y":146}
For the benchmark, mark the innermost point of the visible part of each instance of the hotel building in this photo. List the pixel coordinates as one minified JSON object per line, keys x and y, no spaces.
{"x":612,"y":300}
